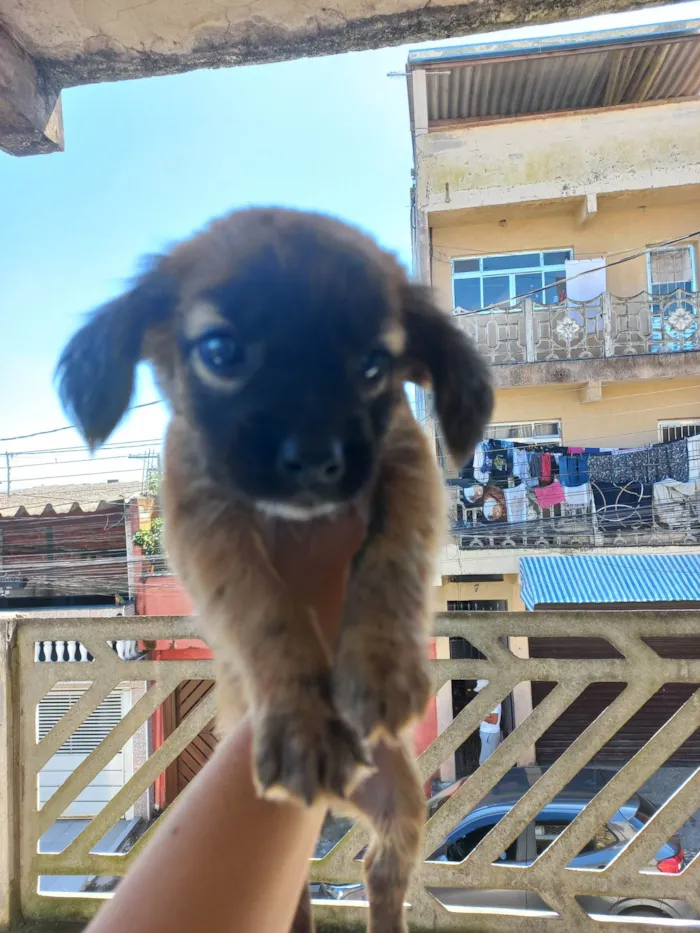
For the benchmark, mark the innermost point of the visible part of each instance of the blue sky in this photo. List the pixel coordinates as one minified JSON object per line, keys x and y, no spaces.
{"x":148,"y":162}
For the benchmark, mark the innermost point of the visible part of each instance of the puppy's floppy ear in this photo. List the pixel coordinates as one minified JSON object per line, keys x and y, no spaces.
{"x":95,"y":373}
{"x":438,"y":351}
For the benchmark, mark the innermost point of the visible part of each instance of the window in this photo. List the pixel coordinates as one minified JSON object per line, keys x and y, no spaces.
{"x":546,"y":831}
{"x":488,"y":280}
{"x":458,"y":850}
{"x":677,"y":430}
{"x":671,"y":268}
{"x":674,"y":319}
{"x":538,"y":432}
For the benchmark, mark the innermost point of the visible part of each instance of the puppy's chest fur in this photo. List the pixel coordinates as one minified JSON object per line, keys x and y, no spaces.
{"x":220,"y":544}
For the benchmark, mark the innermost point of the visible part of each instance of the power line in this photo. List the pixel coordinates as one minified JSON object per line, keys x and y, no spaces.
{"x":70,"y":427}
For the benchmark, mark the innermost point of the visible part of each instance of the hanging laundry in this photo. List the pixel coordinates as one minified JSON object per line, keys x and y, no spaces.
{"x":622,"y":506}
{"x":546,"y":468}
{"x":694,"y":457}
{"x":516,"y":503}
{"x":573,"y":470}
{"x":618,"y":467}
{"x":547,"y":496}
{"x":574,"y":450}
{"x":499,"y":465}
{"x":494,"y":507}
{"x":675,"y":503}
{"x":482,"y":462}
{"x":668,"y":461}
{"x":578,"y":496}
{"x":473,"y":496}
{"x":645,"y":464}
{"x":535,"y":461}
{"x":521,"y":466}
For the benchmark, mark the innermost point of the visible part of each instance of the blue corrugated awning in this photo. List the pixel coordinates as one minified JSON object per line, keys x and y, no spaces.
{"x":610,"y":578}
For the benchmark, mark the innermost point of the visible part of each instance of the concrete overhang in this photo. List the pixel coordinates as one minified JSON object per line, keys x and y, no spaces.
{"x":48,"y":45}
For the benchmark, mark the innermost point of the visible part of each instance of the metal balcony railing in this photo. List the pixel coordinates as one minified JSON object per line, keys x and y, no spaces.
{"x":609,"y":327}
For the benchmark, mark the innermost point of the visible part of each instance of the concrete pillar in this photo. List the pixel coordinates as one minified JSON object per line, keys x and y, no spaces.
{"x":30,"y":109}
{"x":445,"y":713}
{"x":9,"y":802}
{"x":522,"y":697}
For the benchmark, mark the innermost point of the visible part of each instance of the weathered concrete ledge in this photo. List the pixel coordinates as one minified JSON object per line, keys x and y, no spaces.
{"x":618,"y":369}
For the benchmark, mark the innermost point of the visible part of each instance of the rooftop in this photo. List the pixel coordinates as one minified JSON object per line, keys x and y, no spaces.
{"x":583,"y":71}
{"x":69,"y":499}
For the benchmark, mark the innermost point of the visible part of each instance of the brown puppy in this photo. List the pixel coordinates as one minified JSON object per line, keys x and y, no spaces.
{"x":282,"y":341}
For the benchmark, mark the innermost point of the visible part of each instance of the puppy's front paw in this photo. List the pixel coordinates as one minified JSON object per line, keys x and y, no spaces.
{"x":381,"y":690}
{"x":307,"y":752}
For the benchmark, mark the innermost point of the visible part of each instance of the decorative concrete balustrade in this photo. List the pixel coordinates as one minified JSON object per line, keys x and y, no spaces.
{"x":25,"y":679}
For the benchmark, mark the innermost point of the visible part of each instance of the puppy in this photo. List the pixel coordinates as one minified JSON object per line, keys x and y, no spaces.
{"x":282,"y":341}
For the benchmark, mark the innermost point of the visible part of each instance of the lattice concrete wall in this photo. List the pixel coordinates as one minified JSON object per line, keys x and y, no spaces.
{"x":25,"y":682}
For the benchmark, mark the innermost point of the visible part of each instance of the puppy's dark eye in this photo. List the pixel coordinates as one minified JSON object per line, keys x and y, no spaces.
{"x":220,"y":353}
{"x":376,"y":366}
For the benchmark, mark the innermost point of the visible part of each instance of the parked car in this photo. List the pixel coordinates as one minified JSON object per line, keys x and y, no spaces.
{"x":552,"y":820}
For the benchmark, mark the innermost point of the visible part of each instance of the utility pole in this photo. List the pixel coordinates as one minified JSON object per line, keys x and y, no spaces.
{"x":8,"y":457}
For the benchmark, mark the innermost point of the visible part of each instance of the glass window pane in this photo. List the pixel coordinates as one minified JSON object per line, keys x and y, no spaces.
{"x":468,"y":294}
{"x":496,"y":289}
{"x":558,"y":258}
{"x":502,"y":432}
{"x":670,"y":266}
{"x":547,"y":428}
{"x":506,"y":263}
{"x":557,"y":292}
{"x":465,"y":265}
{"x":527,"y":282}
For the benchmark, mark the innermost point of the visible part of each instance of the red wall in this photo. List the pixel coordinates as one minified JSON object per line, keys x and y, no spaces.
{"x":162,"y":596}
{"x":165,"y":596}
{"x":427,"y":729}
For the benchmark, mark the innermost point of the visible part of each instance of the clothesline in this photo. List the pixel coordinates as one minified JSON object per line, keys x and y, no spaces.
{"x":515,"y":482}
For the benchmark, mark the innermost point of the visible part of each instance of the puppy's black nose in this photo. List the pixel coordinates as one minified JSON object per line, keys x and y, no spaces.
{"x":311,"y":463}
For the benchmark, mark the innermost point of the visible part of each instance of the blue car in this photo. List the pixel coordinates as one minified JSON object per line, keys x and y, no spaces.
{"x":552,"y":820}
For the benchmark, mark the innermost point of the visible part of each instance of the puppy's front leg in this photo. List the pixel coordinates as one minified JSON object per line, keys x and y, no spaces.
{"x":268,"y":646}
{"x":302,"y":747}
{"x":381,"y":679}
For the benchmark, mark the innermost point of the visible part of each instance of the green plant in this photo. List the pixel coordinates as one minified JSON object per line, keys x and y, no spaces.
{"x":150,"y":539}
{"x":153,"y":484}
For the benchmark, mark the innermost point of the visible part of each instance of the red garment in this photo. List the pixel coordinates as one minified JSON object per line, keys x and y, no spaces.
{"x":575,"y":450}
{"x":546,"y":467}
{"x":547,"y":496}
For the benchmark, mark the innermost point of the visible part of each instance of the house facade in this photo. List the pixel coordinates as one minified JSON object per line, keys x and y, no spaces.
{"x":66,"y":552}
{"x":556,"y":211}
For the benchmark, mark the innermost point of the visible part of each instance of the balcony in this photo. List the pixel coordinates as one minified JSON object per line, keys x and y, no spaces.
{"x":610,"y":337}
{"x":650,"y":659}
{"x":647,"y":523}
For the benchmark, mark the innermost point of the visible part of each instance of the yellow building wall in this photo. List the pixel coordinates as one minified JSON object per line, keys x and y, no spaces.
{"x":508,"y":589}
{"x":559,"y":156}
{"x":614,"y":230}
{"x":627,"y":416}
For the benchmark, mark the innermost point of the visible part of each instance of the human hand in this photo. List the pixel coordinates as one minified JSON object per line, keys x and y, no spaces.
{"x":314,"y":559}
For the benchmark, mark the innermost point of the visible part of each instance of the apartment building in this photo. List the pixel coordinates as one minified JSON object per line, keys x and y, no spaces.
{"x":556,"y":210}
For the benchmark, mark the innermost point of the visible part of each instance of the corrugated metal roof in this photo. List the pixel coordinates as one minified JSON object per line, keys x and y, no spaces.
{"x":76,"y":498}
{"x":610,"y":578}
{"x":527,"y":78}
{"x":600,"y":38}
